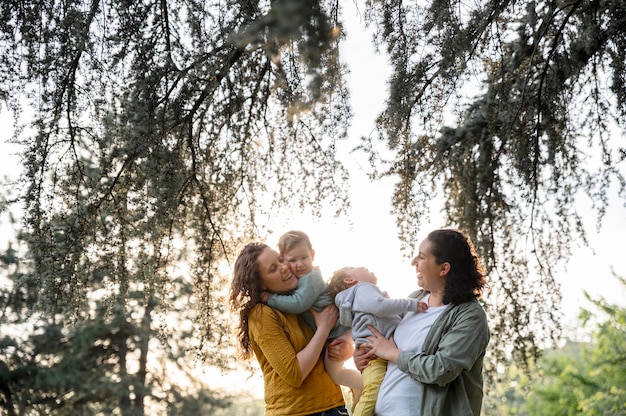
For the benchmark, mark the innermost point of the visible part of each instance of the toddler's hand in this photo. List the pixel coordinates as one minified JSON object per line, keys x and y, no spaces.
{"x":265,"y":296}
{"x":422,"y":306}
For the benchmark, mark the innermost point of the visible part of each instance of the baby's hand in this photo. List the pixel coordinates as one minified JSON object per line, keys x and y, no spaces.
{"x":422,"y":306}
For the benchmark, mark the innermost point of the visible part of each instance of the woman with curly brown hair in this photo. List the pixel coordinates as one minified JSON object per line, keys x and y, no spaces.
{"x":436,"y":357}
{"x":289,"y":352}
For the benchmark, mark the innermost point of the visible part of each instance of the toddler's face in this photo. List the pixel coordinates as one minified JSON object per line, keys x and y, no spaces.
{"x":362,"y":275}
{"x":300,"y":259}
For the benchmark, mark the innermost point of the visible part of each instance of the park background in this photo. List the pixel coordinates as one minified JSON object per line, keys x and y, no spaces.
{"x":367,"y":236}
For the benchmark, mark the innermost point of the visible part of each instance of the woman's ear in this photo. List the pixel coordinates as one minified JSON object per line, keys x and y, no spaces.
{"x":445,"y":268}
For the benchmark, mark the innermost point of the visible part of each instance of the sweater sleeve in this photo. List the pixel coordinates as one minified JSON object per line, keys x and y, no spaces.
{"x":269,"y":330}
{"x":310,"y":287}
{"x":449,"y":349}
{"x":370,"y":299}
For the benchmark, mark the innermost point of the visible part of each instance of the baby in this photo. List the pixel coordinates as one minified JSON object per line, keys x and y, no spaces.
{"x":362,"y":303}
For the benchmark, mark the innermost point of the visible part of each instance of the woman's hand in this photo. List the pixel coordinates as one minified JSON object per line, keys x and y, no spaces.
{"x":362,"y":358}
{"x":325,"y":319}
{"x":310,"y":355}
{"x":383,"y":347}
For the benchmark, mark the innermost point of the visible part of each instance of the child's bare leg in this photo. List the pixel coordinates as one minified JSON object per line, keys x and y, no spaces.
{"x":344,"y":376}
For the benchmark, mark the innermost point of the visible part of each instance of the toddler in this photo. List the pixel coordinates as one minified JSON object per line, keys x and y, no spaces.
{"x":312,"y":292}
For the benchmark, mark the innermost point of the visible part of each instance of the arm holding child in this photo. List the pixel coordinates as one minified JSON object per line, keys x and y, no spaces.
{"x":310,"y":287}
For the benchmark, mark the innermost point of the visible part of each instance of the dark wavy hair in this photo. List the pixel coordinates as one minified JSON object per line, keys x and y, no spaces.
{"x":466,"y":279}
{"x":245,"y":290}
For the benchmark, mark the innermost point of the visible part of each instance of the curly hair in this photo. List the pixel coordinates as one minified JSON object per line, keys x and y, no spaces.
{"x":245,"y":290}
{"x":466,"y":278}
{"x":337,"y":283}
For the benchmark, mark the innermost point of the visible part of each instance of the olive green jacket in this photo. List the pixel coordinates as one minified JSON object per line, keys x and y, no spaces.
{"x":450,"y":368}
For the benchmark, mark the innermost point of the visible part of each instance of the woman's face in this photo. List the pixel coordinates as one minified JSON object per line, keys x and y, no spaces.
{"x":275,"y":275}
{"x":430,"y":275}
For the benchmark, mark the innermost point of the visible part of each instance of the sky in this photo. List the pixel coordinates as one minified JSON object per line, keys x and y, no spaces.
{"x":372,"y":240}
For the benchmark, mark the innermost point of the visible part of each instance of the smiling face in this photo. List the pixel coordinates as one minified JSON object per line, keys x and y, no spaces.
{"x":300,"y":259}
{"x":275,"y":275}
{"x":360,"y":275}
{"x":430,"y":275}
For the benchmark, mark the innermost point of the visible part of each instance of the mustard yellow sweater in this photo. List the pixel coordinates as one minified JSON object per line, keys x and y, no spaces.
{"x":276,"y":337}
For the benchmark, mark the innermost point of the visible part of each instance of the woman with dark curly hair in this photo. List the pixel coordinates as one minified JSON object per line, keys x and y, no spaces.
{"x":436,"y":357}
{"x":289,"y":352}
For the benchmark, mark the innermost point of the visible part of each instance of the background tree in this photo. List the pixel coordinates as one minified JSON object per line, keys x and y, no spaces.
{"x":158,"y":137}
{"x":591,"y":380}
{"x":509,"y":390}
{"x":495,"y":105}
{"x":583,"y":376}
{"x":131,"y":360}
{"x":160,"y":129}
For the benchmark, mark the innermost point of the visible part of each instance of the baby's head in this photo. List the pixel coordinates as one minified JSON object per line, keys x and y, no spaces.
{"x":296,"y":248}
{"x":349,"y":276}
